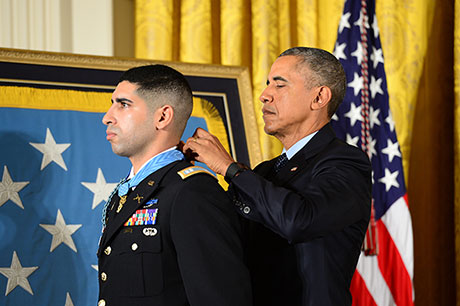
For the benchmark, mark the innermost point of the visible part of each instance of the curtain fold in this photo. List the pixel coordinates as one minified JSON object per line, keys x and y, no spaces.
{"x":154,"y":30}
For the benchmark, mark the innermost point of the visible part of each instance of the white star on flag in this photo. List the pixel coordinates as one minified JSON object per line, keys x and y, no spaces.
{"x":17,"y":275}
{"x":358,"y":53}
{"x":374,"y":116}
{"x":68,"y":300}
{"x":390,"y":179}
{"x":376,"y":56}
{"x":371,"y":148}
{"x":354,"y":114}
{"x":9,"y":189}
{"x":392,"y":150}
{"x":51,"y":151}
{"x":352,"y":140}
{"x":344,"y":22}
{"x":100,"y":188}
{"x":356,"y":84}
{"x":339,"y":51}
{"x":375,"y":86}
{"x":359,"y":22}
{"x":375,"y":26}
{"x":390,"y":121}
{"x":61,"y":232}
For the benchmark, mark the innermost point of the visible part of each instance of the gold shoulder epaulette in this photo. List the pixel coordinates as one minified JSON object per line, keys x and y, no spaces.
{"x":192,"y":170}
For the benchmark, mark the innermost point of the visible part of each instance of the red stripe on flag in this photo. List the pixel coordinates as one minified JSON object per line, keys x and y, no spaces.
{"x":358,"y":288}
{"x":392,"y":268}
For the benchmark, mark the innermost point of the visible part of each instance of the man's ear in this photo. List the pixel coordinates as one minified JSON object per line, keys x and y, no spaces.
{"x":163,"y":117}
{"x":322,"y":98}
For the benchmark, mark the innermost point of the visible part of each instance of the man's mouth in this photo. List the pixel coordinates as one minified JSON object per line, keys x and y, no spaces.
{"x":110,"y":135}
{"x":267,"y":112}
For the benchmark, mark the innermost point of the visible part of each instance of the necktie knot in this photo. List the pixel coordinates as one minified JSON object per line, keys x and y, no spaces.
{"x":280,"y":162}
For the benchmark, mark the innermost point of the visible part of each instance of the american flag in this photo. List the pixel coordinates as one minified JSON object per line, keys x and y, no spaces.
{"x":56,"y":172}
{"x":384,"y":272}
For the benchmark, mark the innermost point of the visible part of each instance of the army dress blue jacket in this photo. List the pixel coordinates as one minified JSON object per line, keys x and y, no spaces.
{"x":189,"y":252}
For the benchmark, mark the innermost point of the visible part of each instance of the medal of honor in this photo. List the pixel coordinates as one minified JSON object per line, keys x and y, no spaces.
{"x":120,"y":204}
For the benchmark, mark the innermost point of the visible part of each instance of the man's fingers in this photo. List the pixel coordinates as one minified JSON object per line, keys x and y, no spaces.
{"x":188,"y":145}
{"x":194,"y":144}
{"x":201,"y":133}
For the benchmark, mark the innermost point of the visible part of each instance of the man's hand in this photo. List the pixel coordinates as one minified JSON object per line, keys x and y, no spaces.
{"x":206,"y":148}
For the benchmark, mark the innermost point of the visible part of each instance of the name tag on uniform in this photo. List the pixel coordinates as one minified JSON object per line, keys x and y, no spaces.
{"x":143,"y":217}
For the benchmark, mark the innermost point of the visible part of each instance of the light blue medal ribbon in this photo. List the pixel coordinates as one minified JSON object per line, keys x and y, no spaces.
{"x":153,"y":165}
{"x":159,"y":161}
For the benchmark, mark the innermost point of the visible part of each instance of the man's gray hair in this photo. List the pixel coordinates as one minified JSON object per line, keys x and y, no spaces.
{"x":325,"y":69}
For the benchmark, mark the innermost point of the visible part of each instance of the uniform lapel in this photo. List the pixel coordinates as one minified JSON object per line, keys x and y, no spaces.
{"x":136,"y":198}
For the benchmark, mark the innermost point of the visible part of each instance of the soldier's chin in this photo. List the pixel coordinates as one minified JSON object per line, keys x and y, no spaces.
{"x":119,"y":151}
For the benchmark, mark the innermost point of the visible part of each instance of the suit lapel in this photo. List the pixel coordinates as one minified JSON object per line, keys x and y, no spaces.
{"x":303,"y":158}
{"x":136,"y":198}
{"x":266,"y":169}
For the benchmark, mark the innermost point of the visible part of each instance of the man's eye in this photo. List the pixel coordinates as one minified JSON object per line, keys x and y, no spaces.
{"x":280,"y":85}
{"x":124,"y":105}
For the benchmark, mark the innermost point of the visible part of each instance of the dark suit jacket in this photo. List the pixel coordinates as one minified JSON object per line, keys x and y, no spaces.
{"x":192,"y":255}
{"x":307,"y":223}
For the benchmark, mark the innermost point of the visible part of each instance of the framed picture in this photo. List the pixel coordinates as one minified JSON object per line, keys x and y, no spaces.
{"x":58,"y":169}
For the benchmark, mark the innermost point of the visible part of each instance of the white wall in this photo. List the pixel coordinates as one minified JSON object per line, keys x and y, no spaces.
{"x":74,"y":26}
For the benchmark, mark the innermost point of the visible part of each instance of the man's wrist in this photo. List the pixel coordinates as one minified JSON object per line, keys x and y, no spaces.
{"x":234,"y":170}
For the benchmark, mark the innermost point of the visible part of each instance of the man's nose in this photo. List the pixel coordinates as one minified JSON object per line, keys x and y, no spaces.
{"x":108,"y":117}
{"x":265,"y":96}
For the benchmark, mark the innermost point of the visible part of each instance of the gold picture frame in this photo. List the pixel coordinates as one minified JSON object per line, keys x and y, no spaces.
{"x":234,"y":77}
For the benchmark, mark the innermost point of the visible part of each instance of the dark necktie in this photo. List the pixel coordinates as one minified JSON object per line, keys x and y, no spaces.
{"x":280,"y":162}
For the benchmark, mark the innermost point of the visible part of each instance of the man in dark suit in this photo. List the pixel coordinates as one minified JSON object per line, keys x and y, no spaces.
{"x":308,"y":209}
{"x":170,"y":236}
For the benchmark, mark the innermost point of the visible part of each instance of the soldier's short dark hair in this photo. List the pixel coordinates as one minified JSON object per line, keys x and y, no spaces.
{"x":162,"y":85}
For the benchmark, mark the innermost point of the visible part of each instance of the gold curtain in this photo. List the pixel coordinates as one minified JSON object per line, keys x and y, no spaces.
{"x":234,"y":32}
{"x":417,"y":45}
{"x":253,"y":33}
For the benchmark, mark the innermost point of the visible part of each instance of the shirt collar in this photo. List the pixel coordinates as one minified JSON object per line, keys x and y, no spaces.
{"x":298,"y":145}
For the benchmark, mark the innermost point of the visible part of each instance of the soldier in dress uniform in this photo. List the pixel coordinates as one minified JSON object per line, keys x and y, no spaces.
{"x":170,"y":236}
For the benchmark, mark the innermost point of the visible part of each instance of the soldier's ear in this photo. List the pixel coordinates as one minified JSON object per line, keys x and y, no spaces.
{"x":163,"y":116}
